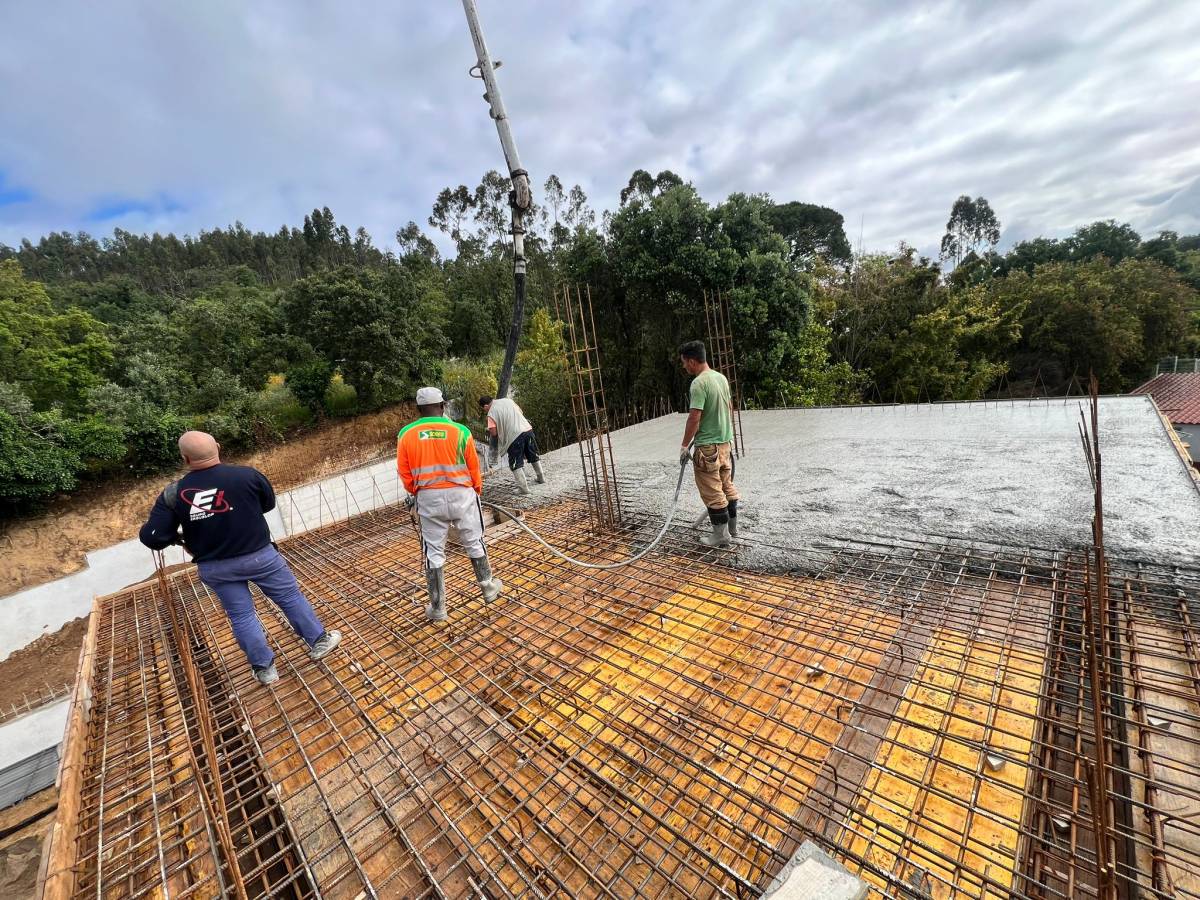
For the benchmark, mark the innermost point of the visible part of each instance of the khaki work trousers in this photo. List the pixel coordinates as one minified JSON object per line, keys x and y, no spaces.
{"x":713,"y":465}
{"x":440,"y":510}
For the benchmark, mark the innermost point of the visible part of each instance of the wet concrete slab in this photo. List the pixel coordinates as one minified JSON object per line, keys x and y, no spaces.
{"x":1008,"y":472}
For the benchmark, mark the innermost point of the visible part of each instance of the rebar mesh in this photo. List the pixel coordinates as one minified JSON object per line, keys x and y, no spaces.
{"x":675,"y":728}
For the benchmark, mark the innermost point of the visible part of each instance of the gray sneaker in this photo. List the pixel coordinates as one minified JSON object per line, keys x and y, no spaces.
{"x":266,"y":674}
{"x":325,"y":643}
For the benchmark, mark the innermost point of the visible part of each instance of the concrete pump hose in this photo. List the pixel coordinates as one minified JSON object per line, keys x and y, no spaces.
{"x":515,"y":515}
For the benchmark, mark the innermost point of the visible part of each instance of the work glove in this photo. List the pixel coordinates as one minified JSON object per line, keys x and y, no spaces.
{"x":410,"y":500}
{"x":684,"y":455}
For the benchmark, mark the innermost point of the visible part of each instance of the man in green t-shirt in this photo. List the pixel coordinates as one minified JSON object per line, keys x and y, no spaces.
{"x":710,"y":422}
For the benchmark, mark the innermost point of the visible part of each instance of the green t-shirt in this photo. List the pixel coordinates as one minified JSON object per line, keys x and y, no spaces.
{"x":710,"y":392}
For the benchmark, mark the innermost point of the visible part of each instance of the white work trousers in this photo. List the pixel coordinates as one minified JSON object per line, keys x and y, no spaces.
{"x":443,"y":508}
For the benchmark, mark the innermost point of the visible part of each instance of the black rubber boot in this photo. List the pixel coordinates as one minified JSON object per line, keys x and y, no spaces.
{"x":435,"y":583}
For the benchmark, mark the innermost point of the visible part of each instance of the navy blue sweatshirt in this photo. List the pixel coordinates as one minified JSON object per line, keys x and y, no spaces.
{"x":221,"y":510}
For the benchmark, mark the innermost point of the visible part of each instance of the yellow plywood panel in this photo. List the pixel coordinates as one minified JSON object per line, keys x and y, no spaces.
{"x":707,"y":672}
{"x":933,"y":802}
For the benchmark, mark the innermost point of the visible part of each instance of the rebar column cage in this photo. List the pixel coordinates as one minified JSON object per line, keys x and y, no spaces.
{"x":720,"y":345}
{"x":573,"y":307}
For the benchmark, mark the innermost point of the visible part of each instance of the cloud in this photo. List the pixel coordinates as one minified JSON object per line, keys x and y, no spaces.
{"x":1178,"y":210}
{"x":189,"y":116}
{"x":131,"y":209}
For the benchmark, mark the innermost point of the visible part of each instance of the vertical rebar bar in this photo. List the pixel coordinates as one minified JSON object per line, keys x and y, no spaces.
{"x":588,"y":405}
{"x":720,"y":341}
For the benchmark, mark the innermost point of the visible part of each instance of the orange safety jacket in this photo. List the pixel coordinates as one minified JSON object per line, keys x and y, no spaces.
{"x":437,"y":452}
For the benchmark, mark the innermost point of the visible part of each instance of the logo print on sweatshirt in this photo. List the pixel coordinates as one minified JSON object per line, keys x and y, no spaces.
{"x":431,"y":434}
{"x":205,"y":502}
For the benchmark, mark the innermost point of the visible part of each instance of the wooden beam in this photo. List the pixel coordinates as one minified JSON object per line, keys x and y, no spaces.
{"x":56,"y":875}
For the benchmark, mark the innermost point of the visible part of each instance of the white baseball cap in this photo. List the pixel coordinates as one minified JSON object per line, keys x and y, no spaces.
{"x":429,"y":395}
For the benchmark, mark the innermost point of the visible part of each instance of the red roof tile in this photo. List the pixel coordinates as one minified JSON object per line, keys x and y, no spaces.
{"x":1178,"y":396}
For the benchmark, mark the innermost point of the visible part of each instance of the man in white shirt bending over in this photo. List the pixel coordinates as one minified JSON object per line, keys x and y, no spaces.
{"x":509,"y":431}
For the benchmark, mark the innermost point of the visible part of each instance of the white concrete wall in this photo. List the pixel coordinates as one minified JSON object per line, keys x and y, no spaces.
{"x":33,"y":733}
{"x":340,"y":497}
{"x":33,"y":612}
{"x":23,"y":744}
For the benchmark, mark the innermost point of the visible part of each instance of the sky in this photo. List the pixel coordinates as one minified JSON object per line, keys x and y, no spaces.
{"x":189,"y":116}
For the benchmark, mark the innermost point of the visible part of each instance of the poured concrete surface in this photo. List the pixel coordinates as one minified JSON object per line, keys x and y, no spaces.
{"x":813,"y":875}
{"x":1009,"y":472}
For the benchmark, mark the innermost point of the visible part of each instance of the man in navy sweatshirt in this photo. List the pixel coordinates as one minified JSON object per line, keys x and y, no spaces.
{"x":220,"y":511}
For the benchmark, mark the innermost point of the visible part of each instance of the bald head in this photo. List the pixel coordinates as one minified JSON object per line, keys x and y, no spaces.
{"x":199,"y":449}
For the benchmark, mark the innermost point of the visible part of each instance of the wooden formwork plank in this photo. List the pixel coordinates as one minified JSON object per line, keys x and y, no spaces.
{"x":56,"y":879}
{"x":1169,"y":696}
{"x":684,"y":640}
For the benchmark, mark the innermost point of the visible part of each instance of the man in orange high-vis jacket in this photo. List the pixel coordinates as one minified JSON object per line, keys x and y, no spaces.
{"x":438,"y":463}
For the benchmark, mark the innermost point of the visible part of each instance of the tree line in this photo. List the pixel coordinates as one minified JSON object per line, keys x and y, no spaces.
{"x":110,"y":347}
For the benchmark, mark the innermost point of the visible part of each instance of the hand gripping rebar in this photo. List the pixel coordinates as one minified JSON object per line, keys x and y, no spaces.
{"x":515,"y":516}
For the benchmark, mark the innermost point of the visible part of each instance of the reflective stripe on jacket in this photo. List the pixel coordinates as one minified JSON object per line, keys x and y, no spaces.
{"x":437,"y":452}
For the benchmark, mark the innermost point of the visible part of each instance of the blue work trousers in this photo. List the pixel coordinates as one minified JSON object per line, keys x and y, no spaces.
{"x":229,"y":580}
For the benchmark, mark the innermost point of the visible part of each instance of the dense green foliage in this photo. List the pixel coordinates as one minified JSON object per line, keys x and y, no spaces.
{"x":110,"y":348}
{"x":542,"y":380}
{"x":464,"y":382}
{"x":896,"y":321}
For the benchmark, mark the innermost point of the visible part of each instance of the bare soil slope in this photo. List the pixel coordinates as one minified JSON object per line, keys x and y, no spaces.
{"x":43,"y":666}
{"x":23,"y":829}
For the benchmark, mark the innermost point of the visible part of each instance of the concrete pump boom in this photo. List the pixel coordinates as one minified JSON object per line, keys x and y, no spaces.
{"x":519,"y":198}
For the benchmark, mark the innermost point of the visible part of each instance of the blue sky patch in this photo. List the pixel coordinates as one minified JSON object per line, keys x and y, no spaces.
{"x":11,"y":194}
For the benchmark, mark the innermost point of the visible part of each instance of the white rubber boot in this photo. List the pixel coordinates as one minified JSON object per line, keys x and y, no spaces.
{"x":521,"y":480}
{"x":489,"y":585}
{"x":719,"y":536}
